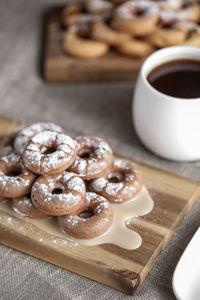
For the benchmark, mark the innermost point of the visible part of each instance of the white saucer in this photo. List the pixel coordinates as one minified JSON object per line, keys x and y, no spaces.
{"x":186,"y":278}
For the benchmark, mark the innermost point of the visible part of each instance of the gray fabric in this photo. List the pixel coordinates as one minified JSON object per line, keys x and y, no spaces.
{"x":101,"y":109}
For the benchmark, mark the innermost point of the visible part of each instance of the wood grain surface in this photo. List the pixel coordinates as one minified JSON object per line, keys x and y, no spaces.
{"x":109,"y":264}
{"x":60,"y":67}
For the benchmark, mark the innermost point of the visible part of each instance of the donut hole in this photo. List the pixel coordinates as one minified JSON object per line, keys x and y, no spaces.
{"x":85,"y":153}
{"x":116,"y":177}
{"x":50,"y":150}
{"x":84,"y":34}
{"x":57,"y":191}
{"x":13,"y":172}
{"x":139,"y":12}
{"x":86,"y":214}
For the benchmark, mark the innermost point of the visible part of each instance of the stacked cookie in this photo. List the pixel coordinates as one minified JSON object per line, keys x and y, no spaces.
{"x":47,"y":173}
{"x":133,"y":28}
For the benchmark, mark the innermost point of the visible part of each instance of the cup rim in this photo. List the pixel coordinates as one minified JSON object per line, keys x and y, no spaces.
{"x":163,"y":52}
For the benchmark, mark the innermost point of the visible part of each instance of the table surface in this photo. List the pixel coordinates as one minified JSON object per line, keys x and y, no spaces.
{"x":102,"y":109}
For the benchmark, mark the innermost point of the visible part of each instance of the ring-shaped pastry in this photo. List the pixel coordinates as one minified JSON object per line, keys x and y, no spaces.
{"x":94,"y":157}
{"x":58,"y":195}
{"x":92,"y":219}
{"x":121,"y":183}
{"x":15,"y":179}
{"x":49,"y":153}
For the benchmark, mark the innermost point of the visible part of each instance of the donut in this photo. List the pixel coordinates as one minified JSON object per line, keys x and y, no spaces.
{"x":6,"y":144}
{"x":58,"y":195}
{"x":49,"y":153}
{"x":135,"y":47}
{"x":136,"y":17}
{"x":102,"y":31}
{"x":190,"y":11}
{"x":169,"y":32}
{"x":24,"y":207}
{"x":27,"y":133}
{"x":78,"y":42}
{"x":98,"y":6}
{"x":94,"y":156}
{"x":74,"y":14}
{"x":121,"y":183}
{"x":90,"y":220}
{"x":15,"y":179}
{"x":193,"y":35}
{"x":171,"y":5}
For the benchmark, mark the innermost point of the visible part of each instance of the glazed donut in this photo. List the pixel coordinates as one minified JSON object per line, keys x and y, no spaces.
{"x":78,"y":43}
{"x":15,"y":179}
{"x":49,"y":153}
{"x":58,"y":195}
{"x":135,"y":47}
{"x":172,"y":5}
{"x":136,"y":17}
{"x":23,"y":206}
{"x":74,"y":14}
{"x":103,"y":32}
{"x":90,"y":220}
{"x":23,"y":137}
{"x":169,"y":32}
{"x":121,"y":183}
{"x":190,"y":11}
{"x":6,"y":144}
{"x":94,"y":156}
{"x":98,"y":6}
{"x":193,"y":35}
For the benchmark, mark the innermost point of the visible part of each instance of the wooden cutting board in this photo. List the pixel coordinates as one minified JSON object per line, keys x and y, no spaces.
{"x":109,"y":264}
{"x":60,"y":67}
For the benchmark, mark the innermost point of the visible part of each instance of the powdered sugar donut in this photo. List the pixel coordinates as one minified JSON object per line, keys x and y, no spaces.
{"x":190,"y":11}
{"x":94,"y":156}
{"x":24,"y":207}
{"x":172,"y":5}
{"x":170,"y":31}
{"x":90,"y":220}
{"x":75,"y":13}
{"x":102,"y":31}
{"x":6,"y":144}
{"x":98,"y":6}
{"x":193,"y":35}
{"x":135,"y":47}
{"x":27,"y":133}
{"x":136,"y":17}
{"x":15,"y":179}
{"x":49,"y":153}
{"x":58,"y":195}
{"x":121,"y":183}
{"x":78,"y":42}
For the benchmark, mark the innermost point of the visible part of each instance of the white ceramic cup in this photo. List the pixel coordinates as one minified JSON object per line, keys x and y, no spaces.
{"x":168,"y":126}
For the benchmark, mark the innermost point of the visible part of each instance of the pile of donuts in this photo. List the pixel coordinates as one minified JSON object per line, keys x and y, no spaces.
{"x":132,"y":28}
{"x":46,"y":173}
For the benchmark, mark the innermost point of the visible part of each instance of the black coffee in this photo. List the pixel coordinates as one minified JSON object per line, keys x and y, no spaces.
{"x":179,"y":78}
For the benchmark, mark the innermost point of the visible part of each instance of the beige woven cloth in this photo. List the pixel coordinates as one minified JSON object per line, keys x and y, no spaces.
{"x":102,"y":109}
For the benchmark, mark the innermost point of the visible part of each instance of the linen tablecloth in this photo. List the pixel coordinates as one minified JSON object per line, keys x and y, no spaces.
{"x":102,"y":109}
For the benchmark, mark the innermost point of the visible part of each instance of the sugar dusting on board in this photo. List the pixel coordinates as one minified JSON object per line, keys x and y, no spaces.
{"x":119,"y":234}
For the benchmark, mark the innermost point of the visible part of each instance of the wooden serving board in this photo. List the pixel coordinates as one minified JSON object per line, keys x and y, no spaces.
{"x":109,"y":264}
{"x":60,"y":67}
